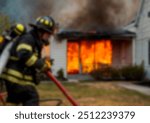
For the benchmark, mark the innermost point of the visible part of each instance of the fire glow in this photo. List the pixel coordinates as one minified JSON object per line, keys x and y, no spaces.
{"x":85,"y":56}
{"x":46,"y":51}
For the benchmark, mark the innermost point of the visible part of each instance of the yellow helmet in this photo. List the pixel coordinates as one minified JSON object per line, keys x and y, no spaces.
{"x":17,"y":29}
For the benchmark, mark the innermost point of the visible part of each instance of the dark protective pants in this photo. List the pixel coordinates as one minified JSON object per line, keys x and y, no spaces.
{"x":25,"y":95}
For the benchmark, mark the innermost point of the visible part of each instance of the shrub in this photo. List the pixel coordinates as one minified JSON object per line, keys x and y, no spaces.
{"x":132,"y":73}
{"x":60,"y":74}
{"x":106,"y":73}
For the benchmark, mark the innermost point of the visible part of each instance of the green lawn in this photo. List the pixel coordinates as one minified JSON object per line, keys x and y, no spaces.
{"x":94,"y":94}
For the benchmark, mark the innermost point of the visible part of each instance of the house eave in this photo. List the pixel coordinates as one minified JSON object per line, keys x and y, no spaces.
{"x":76,"y":35}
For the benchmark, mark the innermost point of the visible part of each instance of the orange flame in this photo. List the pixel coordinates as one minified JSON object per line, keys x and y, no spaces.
{"x":46,"y":51}
{"x":73,"y":58}
{"x":103,"y":54}
{"x":88,"y":55}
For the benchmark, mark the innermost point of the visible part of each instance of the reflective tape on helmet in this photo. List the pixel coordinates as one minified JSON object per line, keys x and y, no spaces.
{"x":50,"y":24}
{"x":24,"y":46}
{"x":19,"y":29}
{"x":31,"y":61}
{"x":41,"y":20}
{"x":17,"y":32}
{"x":46,"y":22}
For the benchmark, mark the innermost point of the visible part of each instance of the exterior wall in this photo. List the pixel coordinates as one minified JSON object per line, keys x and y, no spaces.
{"x":143,"y":38}
{"x":58,"y":53}
{"x":122,"y":54}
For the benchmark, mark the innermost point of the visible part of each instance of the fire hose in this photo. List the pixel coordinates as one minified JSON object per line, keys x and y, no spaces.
{"x":59,"y":85}
{"x":62,"y":88}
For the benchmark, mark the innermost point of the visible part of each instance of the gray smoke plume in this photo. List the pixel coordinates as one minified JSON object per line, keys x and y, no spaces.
{"x":74,"y":14}
{"x":106,"y":14}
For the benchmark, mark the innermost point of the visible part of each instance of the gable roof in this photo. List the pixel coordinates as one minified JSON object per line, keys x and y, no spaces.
{"x":135,"y":23}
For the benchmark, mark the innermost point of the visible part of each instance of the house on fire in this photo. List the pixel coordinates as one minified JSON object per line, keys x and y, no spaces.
{"x":81,"y":52}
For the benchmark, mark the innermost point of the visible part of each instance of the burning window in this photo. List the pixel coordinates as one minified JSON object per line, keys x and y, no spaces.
{"x":85,"y":56}
{"x":73,"y":58}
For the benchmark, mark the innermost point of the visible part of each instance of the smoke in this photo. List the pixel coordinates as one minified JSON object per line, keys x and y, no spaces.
{"x":106,"y":14}
{"x":74,"y":14}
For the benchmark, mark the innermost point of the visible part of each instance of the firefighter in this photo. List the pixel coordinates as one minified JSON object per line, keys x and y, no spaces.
{"x":7,"y":36}
{"x":20,"y":73}
{"x":15,"y":31}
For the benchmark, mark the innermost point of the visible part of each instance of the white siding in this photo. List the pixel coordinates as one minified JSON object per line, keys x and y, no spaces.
{"x":143,"y":38}
{"x":58,"y":53}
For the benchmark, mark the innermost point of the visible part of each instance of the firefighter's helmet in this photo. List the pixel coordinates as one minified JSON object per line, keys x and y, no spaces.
{"x":14,"y":31}
{"x":17,"y":29}
{"x":45,"y":23}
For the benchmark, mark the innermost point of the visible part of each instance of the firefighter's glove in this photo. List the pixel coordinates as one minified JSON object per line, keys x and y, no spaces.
{"x":43,"y":65}
{"x":46,"y":66}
